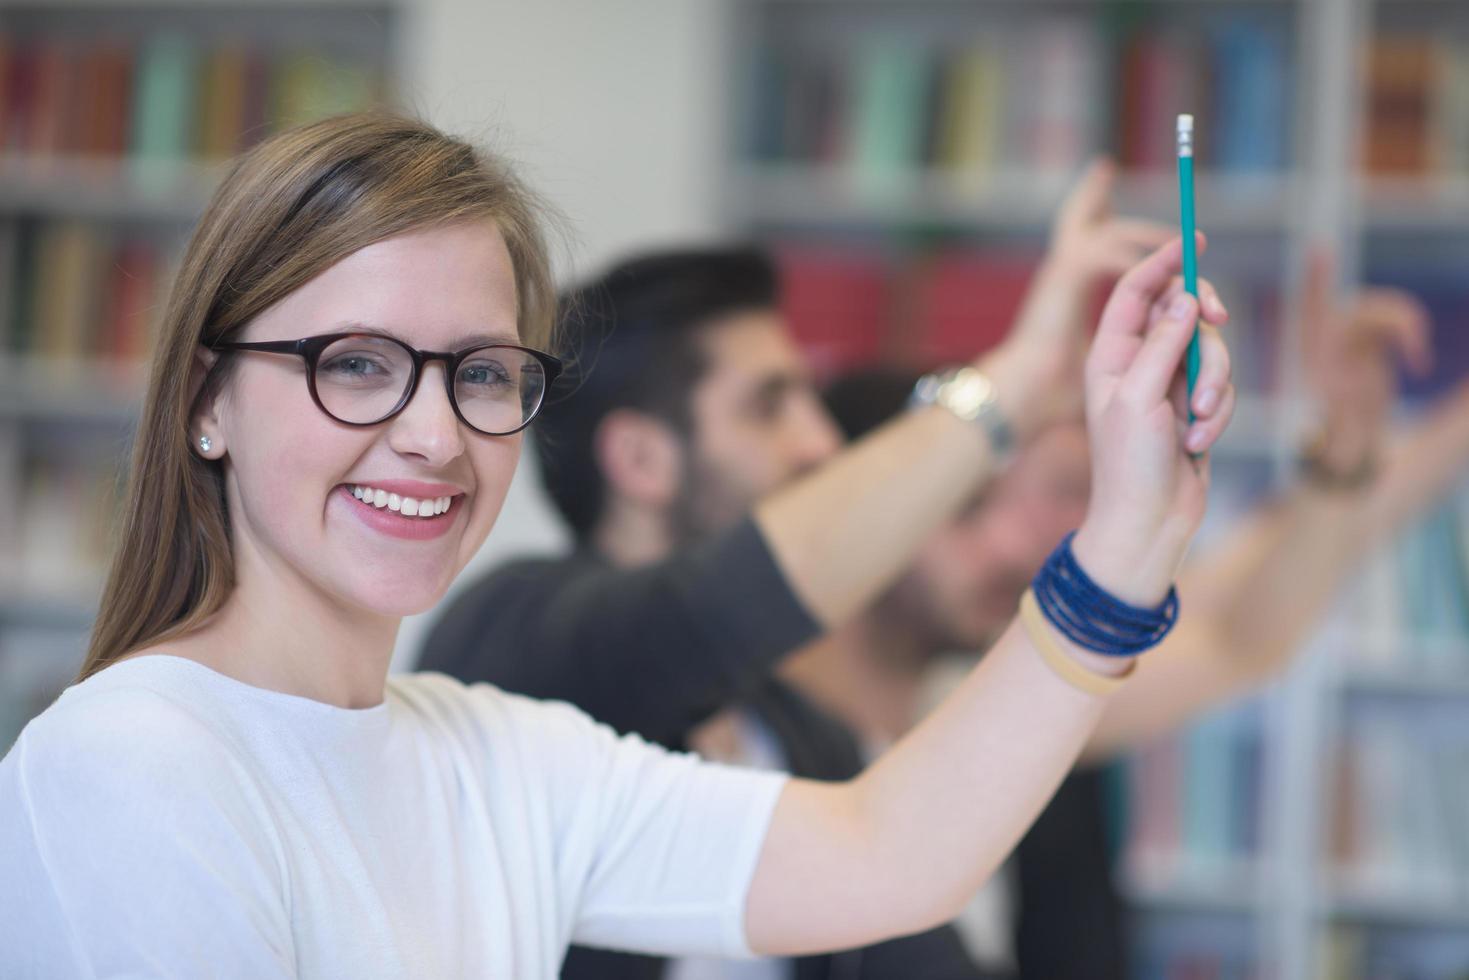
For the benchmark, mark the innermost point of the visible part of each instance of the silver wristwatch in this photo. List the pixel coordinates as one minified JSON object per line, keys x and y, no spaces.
{"x":969,"y":394}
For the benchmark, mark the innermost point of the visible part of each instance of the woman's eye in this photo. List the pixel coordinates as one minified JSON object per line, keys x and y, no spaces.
{"x":484,"y":373}
{"x":353,"y":366}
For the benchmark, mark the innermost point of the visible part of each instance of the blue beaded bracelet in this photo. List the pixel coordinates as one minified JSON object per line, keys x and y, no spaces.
{"x":1090,"y":616}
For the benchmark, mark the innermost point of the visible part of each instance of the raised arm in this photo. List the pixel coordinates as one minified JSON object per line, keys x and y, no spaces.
{"x":1254,"y":601}
{"x":903,"y":846}
{"x":846,"y":532}
{"x":699,"y":628}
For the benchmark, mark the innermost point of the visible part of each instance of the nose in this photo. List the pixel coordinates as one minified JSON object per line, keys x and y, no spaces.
{"x":815,"y":438}
{"x":427,"y":427}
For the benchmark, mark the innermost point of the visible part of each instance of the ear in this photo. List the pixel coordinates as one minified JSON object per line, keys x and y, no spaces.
{"x":204,"y":427}
{"x":640,"y":457}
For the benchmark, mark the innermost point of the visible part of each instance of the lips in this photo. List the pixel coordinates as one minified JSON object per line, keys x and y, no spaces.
{"x":399,"y":515}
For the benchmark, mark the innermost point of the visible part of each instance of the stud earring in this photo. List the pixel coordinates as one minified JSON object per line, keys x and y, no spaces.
{"x":205,"y":444}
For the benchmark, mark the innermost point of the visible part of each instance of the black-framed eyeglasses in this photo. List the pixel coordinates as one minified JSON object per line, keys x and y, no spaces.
{"x":367,"y":378}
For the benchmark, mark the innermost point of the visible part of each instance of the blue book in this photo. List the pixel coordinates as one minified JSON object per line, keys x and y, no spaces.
{"x":1207,"y":812}
{"x":1252,"y":99}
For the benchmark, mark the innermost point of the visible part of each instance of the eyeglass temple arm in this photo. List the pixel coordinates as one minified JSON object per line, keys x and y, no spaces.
{"x":269,"y":346}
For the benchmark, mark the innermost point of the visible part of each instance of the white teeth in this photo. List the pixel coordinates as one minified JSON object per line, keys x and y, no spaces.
{"x":408,"y":506}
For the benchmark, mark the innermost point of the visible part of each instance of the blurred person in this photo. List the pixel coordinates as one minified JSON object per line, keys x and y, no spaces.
{"x":1265,"y":587}
{"x":692,"y":460}
{"x":235,"y":786}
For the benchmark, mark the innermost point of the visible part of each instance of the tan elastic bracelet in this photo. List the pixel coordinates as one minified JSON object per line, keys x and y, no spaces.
{"x":1062,"y":663}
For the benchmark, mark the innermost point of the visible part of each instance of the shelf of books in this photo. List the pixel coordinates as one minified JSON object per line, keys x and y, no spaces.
{"x":904,"y":159}
{"x":1394,"y":876}
{"x":115,"y":122}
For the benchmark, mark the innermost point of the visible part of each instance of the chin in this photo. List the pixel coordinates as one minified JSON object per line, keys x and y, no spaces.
{"x":398,"y":599}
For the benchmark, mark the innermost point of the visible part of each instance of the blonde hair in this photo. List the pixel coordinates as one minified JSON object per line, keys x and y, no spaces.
{"x":289,"y":209}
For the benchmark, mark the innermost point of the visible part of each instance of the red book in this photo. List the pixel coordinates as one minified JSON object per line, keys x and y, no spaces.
{"x":1400,"y":87}
{"x":88,"y":112}
{"x":113,"y":100}
{"x":1158,"y":80}
{"x":966,"y":303}
{"x":255,"y":106}
{"x":7,"y":52}
{"x":54,"y":100}
{"x":129,"y":305}
{"x":20,"y":99}
{"x":836,"y":303}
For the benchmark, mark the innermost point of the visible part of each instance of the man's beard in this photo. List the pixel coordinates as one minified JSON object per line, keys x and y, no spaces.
{"x":908,"y":606}
{"x":710,"y":501}
{"x":705,"y":505}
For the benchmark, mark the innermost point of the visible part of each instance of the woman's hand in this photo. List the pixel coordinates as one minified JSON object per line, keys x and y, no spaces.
{"x":1150,"y":469}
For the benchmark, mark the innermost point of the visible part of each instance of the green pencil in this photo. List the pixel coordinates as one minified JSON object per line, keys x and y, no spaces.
{"x":1190,"y":251}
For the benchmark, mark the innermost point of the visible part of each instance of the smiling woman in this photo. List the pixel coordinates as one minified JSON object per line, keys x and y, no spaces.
{"x":235,"y":787}
{"x":289,"y":211}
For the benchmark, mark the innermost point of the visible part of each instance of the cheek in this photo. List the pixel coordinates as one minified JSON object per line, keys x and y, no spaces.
{"x":736,"y":464}
{"x":494,"y":460}
{"x":285,"y":468}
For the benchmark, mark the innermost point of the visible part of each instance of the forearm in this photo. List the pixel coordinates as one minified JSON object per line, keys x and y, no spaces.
{"x":1247,"y":608}
{"x":1419,"y":467}
{"x":1253,"y":604}
{"x":1056,"y":301}
{"x":1272,"y":584}
{"x":842,"y":534}
{"x":902,"y":847}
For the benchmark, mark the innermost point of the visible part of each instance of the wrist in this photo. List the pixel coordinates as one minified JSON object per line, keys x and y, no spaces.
{"x":1060,"y":274}
{"x":1016,"y":378}
{"x":971,"y":396}
{"x":1141,"y":577}
{"x":1103,"y":633}
{"x":1339,"y":459}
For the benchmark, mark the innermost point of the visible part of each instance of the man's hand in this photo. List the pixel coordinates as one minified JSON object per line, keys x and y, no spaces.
{"x":1351,"y":364}
{"x":1089,"y":242}
{"x":1046,"y":348}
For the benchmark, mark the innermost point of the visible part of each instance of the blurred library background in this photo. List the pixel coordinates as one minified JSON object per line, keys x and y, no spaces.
{"x":903,"y":158}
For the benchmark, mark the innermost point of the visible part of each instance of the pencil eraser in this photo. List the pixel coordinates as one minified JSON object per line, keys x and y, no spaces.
{"x":1185,"y":124}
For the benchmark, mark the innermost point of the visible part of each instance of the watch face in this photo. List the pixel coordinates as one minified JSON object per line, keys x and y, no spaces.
{"x":967,"y":393}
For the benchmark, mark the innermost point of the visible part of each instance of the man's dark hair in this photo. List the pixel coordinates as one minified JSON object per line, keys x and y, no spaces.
{"x":631,"y":339}
{"x":865,"y":399}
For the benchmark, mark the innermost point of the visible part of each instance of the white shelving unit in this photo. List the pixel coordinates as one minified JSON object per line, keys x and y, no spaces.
{"x":1284,"y":899}
{"x":77,"y":411}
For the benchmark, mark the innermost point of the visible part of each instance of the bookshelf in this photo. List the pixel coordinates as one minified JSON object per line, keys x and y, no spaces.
{"x":116,"y":119}
{"x":904,"y":159}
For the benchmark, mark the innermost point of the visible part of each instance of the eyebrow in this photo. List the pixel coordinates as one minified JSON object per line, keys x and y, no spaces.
{"x":779,"y":384}
{"x":459,"y":343}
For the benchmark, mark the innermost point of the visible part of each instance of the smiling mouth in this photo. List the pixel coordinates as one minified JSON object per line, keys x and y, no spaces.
{"x":423,"y":509}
